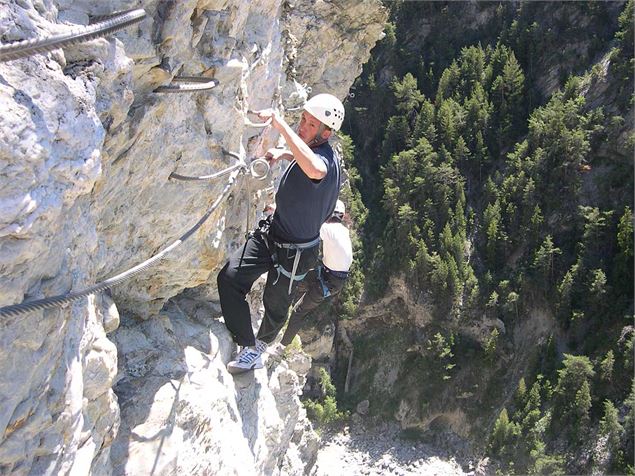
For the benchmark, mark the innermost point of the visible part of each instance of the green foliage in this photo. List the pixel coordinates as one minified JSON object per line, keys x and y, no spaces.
{"x":521,"y":392}
{"x":391,"y":37}
{"x":622,"y":61}
{"x":324,"y":412}
{"x":610,"y":426}
{"x":606,"y":367}
{"x":326,"y":385}
{"x":396,"y":136}
{"x":559,"y":142}
{"x":348,"y":300}
{"x":544,"y":463}
{"x":440,"y":348}
{"x":625,"y":234}
{"x":493,"y":199}
{"x":490,"y":346}
{"x":424,"y":125}
{"x":507,"y":93}
{"x":573,"y":392}
{"x":544,"y":260}
{"x":503,"y":435}
{"x":407,"y":96}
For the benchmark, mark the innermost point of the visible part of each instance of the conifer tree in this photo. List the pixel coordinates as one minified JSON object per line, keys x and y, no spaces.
{"x":611,"y":428}
{"x":544,"y":261}
{"x":573,"y":391}
{"x":407,"y":97}
{"x":507,"y":97}
{"x":503,"y":435}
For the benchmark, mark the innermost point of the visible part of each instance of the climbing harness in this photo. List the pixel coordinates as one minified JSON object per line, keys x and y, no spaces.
{"x":248,"y":123}
{"x":253,"y":169}
{"x":57,"y":301}
{"x":263,"y":231}
{"x":189,"y":84}
{"x":110,"y":24}
{"x":298,"y":247}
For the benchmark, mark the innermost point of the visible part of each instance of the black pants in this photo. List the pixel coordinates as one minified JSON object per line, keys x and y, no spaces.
{"x":311,"y":292}
{"x":237,"y":277}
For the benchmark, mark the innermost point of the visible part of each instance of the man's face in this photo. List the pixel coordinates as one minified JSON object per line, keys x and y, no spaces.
{"x":309,"y":127}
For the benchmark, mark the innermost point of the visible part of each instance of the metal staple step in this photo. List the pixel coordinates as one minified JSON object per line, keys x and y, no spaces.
{"x":190,"y":84}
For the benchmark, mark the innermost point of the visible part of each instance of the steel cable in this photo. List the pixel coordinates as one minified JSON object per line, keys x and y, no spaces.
{"x":241,"y":163}
{"x":252,"y":170}
{"x":189,"y":178}
{"x":56,"y":301}
{"x":116,"y":22}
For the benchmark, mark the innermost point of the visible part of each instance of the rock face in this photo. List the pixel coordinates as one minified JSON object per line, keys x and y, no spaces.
{"x":182,"y":413}
{"x":86,"y":149}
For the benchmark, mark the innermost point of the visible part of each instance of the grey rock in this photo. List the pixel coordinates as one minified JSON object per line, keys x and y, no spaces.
{"x":86,"y":149}
{"x":362,"y":407}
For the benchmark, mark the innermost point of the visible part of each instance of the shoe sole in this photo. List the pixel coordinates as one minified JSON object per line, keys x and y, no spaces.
{"x":241,"y":370}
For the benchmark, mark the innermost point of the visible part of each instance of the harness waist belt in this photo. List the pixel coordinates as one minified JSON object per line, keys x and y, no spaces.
{"x":337,"y":274}
{"x":299,"y":246}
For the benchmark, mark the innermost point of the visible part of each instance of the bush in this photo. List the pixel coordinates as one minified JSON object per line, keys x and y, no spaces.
{"x":324,"y":412}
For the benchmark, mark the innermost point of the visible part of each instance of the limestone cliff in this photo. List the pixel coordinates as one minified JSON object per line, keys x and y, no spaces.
{"x":86,"y":149}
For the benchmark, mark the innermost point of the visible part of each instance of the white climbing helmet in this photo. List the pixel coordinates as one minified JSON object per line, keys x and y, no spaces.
{"x":339,"y":207}
{"x":327,"y":109}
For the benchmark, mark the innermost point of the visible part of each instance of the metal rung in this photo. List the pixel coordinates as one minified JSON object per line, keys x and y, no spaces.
{"x":189,"y":84}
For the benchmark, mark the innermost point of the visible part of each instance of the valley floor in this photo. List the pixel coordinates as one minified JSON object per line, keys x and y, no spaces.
{"x":382,"y":452}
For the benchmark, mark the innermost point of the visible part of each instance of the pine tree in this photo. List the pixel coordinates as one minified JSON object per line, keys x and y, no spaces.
{"x":521,"y":393}
{"x":625,"y":234}
{"x":493,"y":232}
{"x":531,"y":412}
{"x":448,"y":83}
{"x":507,"y":97}
{"x":503,"y":435}
{"x":544,"y":261}
{"x":610,"y":426}
{"x":573,"y":391}
{"x":606,"y":367}
{"x":472,"y":65}
{"x":622,"y":58}
{"x":396,"y":136}
{"x":566,"y":290}
{"x":582,"y":405}
{"x":424,"y":125}
{"x":407,"y":96}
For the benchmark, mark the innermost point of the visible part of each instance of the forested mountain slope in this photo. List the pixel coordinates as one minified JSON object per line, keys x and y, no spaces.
{"x":494,"y":163}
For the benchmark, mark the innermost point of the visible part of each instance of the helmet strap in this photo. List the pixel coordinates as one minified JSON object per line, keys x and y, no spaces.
{"x":318,"y":140}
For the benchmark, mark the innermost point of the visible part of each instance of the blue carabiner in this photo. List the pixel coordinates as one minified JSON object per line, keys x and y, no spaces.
{"x":325,"y":290}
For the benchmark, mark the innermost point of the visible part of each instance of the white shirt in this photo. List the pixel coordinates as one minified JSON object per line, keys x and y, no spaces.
{"x":336,"y":246}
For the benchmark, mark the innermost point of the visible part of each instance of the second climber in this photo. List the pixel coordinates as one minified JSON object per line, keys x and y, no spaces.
{"x":326,"y":280}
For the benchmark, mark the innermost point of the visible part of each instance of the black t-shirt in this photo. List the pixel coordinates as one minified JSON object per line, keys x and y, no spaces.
{"x":302,"y":204}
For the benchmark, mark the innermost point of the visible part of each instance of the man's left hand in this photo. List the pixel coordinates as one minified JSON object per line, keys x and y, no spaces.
{"x":274,"y":115}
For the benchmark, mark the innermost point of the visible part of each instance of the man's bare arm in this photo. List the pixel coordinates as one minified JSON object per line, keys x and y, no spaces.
{"x":311,"y":165}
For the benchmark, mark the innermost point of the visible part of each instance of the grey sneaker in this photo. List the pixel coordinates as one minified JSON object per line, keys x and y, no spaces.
{"x":249,"y":358}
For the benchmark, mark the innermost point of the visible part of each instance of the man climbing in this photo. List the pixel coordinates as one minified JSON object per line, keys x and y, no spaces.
{"x":286,"y":246}
{"x":328,"y":279}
